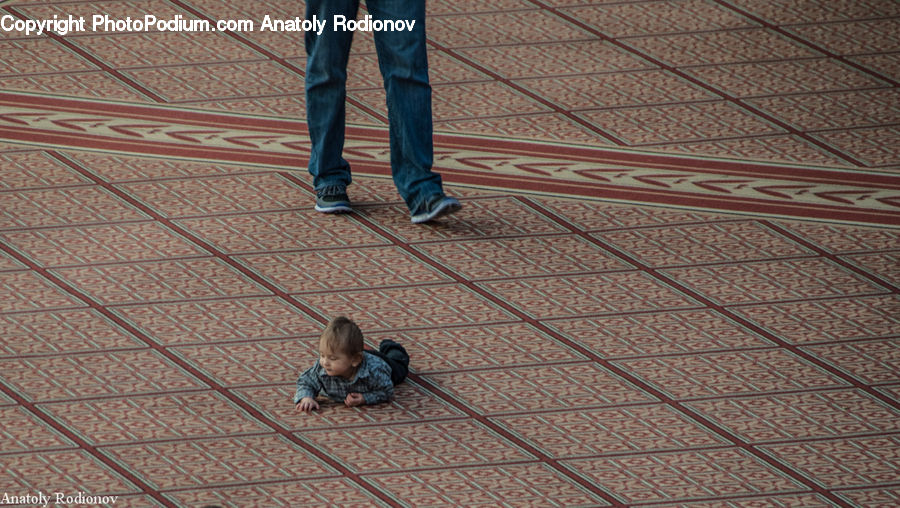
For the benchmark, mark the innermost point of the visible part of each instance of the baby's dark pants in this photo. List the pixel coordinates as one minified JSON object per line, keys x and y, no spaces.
{"x":396,"y":357}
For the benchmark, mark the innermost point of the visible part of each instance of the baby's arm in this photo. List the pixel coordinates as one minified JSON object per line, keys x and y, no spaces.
{"x":308,"y":386}
{"x":380,"y":388}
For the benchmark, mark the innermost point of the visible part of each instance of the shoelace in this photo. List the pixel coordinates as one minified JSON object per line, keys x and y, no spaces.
{"x":331,"y":190}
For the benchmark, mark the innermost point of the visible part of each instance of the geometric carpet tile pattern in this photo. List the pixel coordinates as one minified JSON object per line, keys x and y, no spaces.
{"x":566,"y":351}
{"x":852,"y":195}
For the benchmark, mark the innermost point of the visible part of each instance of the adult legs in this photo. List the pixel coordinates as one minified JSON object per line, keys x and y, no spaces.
{"x":403,"y":62}
{"x":326,"y":92}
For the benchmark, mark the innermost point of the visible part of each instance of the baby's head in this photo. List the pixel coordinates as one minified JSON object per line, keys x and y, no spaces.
{"x":341,"y":347}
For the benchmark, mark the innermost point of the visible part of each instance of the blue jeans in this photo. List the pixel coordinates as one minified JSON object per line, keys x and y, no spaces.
{"x":403,"y":63}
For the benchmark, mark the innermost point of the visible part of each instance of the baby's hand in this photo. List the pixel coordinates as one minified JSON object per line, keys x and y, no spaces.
{"x":354,"y":399}
{"x":307,"y":404}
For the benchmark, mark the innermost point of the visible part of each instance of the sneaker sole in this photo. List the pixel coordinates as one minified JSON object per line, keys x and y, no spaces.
{"x":334,"y":209}
{"x":445,"y":208}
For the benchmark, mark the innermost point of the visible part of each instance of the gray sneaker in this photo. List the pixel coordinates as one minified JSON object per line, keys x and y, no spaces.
{"x":333,"y":199}
{"x":438,"y":206}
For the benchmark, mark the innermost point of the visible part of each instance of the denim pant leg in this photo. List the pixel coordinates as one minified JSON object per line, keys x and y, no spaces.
{"x":403,"y":61}
{"x":326,"y":91}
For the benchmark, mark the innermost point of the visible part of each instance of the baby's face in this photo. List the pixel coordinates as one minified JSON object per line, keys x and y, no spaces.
{"x":337,"y":363}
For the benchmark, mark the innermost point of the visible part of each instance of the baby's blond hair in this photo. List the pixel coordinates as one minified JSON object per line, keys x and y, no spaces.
{"x":343,"y":336}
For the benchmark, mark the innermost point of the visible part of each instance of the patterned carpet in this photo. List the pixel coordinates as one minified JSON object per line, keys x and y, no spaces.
{"x":675,"y":279}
